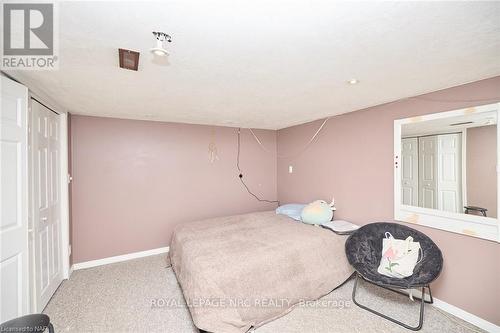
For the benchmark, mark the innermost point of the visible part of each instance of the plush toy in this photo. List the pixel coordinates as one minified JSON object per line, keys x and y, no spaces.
{"x":318,"y":212}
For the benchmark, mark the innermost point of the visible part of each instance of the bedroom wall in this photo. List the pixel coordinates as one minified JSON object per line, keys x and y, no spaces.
{"x":134,"y":181}
{"x":353,"y":160}
{"x":481,"y":168}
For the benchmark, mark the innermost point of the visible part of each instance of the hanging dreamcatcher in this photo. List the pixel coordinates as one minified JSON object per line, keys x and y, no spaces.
{"x":212,"y":148}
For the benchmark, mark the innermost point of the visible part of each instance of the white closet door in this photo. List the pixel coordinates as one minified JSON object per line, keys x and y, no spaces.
{"x":427,"y":171}
{"x":14,"y":290}
{"x":450,"y":172}
{"x":47,"y":222}
{"x":409,"y":171}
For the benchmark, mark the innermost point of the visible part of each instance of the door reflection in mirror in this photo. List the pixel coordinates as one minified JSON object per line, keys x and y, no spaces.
{"x":450,"y":164}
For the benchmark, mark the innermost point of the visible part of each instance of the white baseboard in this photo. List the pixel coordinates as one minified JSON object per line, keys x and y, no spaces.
{"x":124,"y":257}
{"x":467,"y":316}
{"x":459,"y":313}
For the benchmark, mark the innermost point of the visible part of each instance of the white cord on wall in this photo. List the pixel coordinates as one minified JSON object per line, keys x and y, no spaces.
{"x":300,"y":151}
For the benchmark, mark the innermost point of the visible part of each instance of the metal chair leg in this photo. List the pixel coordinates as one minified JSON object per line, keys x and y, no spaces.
{"x":430,"y":301}
{"x":413,"y":328}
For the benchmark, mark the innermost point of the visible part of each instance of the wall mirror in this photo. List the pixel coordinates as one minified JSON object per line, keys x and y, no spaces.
{"x":446,"y":173}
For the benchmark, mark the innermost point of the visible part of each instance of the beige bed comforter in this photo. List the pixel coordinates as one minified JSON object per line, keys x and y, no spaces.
{"x":242,"y":271}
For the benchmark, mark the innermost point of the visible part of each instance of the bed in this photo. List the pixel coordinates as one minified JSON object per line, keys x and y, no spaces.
{"x":243,"y":271}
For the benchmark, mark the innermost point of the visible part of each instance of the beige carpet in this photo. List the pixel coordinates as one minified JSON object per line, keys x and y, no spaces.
{"x":122,"y":297}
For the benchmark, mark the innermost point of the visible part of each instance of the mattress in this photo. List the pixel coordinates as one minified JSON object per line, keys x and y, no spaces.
{"x":242,"y":271}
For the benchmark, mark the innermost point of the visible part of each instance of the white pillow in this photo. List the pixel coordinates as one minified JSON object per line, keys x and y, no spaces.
{"x":291,"y":210}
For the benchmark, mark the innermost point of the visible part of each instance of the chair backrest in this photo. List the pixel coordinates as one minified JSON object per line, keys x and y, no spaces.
{"x":29,"y":323}
{"x":364,"y":248}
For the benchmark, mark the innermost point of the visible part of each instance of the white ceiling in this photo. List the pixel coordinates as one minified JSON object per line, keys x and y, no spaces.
{"x":265,"y":64}
{"x":449,"y":125}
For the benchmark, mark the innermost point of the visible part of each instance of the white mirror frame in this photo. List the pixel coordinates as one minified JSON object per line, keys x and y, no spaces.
{"x":471,"y":225}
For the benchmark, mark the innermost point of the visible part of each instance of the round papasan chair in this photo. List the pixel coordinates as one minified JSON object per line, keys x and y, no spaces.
{"x":364,"y":251}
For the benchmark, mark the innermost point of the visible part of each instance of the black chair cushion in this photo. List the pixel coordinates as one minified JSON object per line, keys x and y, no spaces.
{"x":364,"y":251}
{"x":29,"y":323}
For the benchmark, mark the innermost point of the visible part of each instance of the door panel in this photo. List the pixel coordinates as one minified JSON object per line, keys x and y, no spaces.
{"x":43,"y":253}
{"x":450,"y":173}
{"x":448,"y":201}
{"x":10,"y":176}
{"x":407,"y":195}
{"x":11,"y":286}
{"x":14,"y":271}
{"x":428,"y":197}
{"x":427,"y":172}
{"x":409,"y":171}
{"x":448,"y":170}
{"x":47,"y":216}
{"x":43,"y":202}
{"x":428,"y":167}
{"x":54,"y":184}
{"x":56,"y":249}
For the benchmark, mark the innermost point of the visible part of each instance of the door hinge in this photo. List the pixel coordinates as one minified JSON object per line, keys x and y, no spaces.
{"x":70,"y":178}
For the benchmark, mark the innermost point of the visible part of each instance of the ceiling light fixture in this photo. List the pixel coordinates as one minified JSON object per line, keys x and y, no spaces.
{"x":161,"y":37}
{"x":353,"y":81}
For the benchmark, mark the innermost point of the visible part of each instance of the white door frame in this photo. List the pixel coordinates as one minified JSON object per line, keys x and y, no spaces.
{"x":65,"y":248}
{"x":464,"y":168}
{"x":64,"y":213}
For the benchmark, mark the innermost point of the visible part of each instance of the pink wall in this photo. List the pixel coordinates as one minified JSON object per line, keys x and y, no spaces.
{"x":133,"y":181}
{"x":481,"y":168}
{"x":353,"y":159}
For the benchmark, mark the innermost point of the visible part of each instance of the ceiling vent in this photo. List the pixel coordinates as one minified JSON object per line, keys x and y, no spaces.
{"x":463,"y":123}
{"x":129,"y":59}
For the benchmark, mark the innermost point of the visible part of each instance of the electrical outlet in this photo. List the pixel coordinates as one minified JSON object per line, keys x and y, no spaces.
{"x":290,"y":169}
